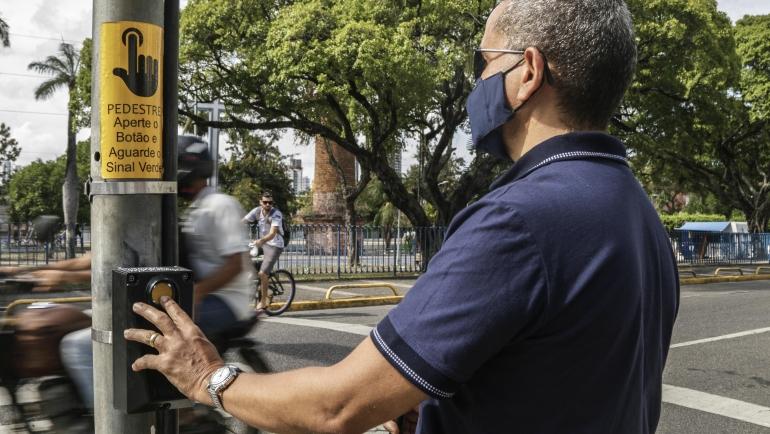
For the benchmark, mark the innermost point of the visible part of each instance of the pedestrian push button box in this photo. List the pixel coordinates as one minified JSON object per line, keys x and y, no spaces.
{"x":139,"y":392}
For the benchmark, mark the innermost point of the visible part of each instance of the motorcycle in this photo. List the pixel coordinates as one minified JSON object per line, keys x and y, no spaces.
{"x":44,"y":397}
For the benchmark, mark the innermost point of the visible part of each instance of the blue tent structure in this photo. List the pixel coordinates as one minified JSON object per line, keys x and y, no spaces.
{"x":705,"y":226}
{"x":719,"y":242}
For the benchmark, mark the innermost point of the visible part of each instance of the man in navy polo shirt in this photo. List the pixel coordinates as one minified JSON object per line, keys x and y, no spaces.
{"x":550,"y":306}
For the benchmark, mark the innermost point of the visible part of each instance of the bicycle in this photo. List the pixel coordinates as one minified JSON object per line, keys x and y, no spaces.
{"x":281,"y":288}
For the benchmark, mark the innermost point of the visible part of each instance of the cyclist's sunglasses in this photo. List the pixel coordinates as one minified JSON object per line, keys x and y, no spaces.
{"x":480,"y":63}
{"x":267,"y":202}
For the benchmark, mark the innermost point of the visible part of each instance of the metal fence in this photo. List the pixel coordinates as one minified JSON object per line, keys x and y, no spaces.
{"x":18,"y":247}
{"x":342,"y":249}
{"x":348,"y":250}
{"x":693,"y":247}
{"x":312,"y":249}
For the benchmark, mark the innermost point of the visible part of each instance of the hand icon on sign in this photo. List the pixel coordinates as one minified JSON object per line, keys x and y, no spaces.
{"x":142,"y":75}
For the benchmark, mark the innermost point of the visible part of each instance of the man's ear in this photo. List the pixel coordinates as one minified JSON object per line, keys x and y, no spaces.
{"x":532,"y":75}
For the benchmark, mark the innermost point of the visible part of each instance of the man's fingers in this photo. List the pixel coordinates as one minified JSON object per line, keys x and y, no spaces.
{"x":144,"y":337}
{"x":176,"y":313}
{"x":391,"y":426}
{"x":158,"y":318}
{"x":149,"y":361}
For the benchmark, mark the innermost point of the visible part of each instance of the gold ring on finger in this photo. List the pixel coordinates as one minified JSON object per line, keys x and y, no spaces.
{"x":152,"y":339}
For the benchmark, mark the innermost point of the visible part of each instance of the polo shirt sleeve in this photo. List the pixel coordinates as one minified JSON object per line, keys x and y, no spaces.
{"x":230,"y":234}
{"x":485,"y":289}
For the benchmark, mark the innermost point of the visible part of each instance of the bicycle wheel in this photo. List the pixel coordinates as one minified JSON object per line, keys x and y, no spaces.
{"x":282,"y":289}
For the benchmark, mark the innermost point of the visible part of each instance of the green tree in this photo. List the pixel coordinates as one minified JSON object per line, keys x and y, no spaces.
{"x":256,"y":165}
{"x":9,"y":147}
{"x":64,"y":68}
{"x":752,"y":35}
{"x":35,"y":189}
{"x":368,"y":75}
{"x":687,"y":115}
{"x":9,"y":152}
{"x":81,"y":99}
{"x":5,"y":40}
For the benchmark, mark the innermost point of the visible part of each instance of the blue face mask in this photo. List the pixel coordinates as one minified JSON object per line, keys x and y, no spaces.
{"x":488,"y":110}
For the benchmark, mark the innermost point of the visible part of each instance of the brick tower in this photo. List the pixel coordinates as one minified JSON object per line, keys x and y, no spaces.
{"x":328,"y":212}
{"x":328,"y":203}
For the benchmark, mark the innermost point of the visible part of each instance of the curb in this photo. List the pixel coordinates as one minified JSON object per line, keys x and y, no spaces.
{"x":364,"y":301}
{"x":722,"y":279}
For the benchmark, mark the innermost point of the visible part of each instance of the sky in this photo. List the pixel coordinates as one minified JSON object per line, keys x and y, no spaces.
{"x":38,"y":26}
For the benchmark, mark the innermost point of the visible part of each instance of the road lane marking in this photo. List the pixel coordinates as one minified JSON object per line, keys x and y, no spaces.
{"x":721,"y":338}
{"x":356,"y":329}
{"x":715,"y":404}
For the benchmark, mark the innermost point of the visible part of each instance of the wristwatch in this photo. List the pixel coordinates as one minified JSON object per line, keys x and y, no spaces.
{"x":219,"y":381}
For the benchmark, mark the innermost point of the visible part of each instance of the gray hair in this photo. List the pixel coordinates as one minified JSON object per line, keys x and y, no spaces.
{"x":590,"y":48}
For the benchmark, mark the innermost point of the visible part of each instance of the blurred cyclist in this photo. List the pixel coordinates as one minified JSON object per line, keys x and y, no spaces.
{"x":213,"y":244}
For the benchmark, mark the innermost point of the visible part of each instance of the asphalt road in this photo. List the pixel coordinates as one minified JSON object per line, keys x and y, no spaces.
{"x":717,"y":378}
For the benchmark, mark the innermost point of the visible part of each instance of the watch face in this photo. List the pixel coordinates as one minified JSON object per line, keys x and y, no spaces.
{"x":220,"y":375}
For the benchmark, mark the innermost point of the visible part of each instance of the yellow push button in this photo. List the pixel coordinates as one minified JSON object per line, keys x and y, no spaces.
{"x":160,"y":289}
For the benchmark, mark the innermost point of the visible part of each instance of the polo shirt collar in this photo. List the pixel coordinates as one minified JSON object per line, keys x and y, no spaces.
{"x":571,"y":146}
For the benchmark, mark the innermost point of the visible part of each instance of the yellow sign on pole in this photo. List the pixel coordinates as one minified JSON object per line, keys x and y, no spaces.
{"x":131,"y":100}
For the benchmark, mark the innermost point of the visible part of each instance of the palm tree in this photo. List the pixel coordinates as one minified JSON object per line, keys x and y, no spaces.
{"x":4,"y":40}
{"x":64,"y":69}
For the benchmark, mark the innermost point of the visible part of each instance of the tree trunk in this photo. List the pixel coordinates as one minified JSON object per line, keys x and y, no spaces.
{"x":70,"y":189}
{"x":756,"y":221}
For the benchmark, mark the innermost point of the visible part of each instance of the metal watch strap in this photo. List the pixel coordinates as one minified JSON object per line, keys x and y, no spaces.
{"x":215,"y":393}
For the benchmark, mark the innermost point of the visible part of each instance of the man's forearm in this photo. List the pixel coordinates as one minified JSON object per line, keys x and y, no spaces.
{"x":352,"y":396}
{"x":288,"y":402}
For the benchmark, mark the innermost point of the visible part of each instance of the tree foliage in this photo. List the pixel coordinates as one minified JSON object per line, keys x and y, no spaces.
{"x":80,"y":102}
{"x":9,"y":152}
{"x":9,"y":147}
{"x":35,"y":189}
{"x":5,"y":40}
{"x":752,"y":35}
{"x":686,"y":117}
{"x":64,"y":68}
{"x":255,"y":166}
{"x":368,"y":75}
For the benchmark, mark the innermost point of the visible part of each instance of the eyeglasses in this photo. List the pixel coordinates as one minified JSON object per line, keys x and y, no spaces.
{"x":480,"y":63}
{"x":267,"y":202}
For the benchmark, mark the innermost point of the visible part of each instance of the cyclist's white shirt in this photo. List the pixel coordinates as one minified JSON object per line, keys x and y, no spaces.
{"x":213,"y":231}
{"x":266,"y":222}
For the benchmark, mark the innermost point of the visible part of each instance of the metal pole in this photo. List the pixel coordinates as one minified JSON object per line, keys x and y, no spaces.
{"x":398,"y":243}
{"x":339,"y":250}
{"x":215,"y":110}
{"x":167,"y":421}
{"x":126,"y":229}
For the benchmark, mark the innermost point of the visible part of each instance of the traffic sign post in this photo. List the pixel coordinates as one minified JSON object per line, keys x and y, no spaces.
{"x":132,"y":185}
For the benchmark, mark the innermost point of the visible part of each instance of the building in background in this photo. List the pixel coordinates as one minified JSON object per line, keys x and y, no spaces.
{"x":295,"y":174}
{"x":395,"y":160}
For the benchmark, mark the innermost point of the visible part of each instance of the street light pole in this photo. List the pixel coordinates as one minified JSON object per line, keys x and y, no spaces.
{"x":215,"y":110}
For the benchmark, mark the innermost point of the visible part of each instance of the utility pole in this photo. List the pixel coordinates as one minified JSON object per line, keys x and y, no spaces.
{"x":132,"y":150}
